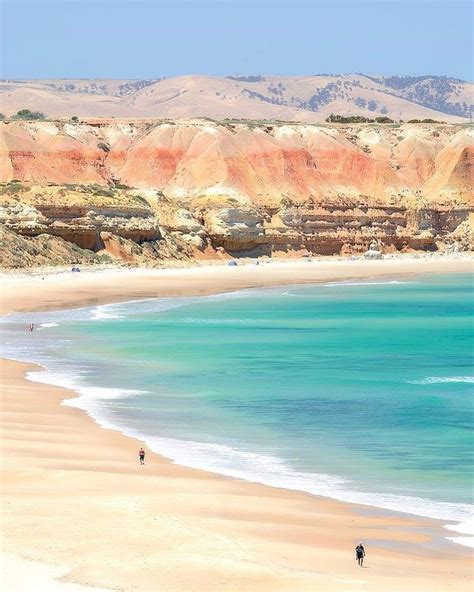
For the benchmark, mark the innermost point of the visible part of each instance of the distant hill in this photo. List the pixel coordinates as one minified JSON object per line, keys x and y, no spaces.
{"x":309,"y":98}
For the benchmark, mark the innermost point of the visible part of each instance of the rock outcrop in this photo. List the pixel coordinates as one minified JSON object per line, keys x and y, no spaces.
{"x":43,"y":250}
{"x":205,"y":189}
{"x":77,"y":214}
{"x":373,"y":252}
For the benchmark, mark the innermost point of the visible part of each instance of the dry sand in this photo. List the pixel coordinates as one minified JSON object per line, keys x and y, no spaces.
{"x":77,"y":506}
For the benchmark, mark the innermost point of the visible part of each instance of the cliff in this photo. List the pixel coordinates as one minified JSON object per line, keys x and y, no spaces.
{"x":146,"y":190}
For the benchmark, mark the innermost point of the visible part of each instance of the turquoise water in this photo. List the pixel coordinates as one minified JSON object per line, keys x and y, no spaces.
{"x":361,"y":391}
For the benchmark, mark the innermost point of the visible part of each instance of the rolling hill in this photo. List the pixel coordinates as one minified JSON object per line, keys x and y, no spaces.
{"x":309,"y":99}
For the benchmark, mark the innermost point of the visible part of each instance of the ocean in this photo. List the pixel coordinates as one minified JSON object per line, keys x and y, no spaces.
{"x":359,"y":391}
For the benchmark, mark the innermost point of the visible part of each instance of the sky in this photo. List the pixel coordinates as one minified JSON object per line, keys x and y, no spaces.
{"x":156,"y":38}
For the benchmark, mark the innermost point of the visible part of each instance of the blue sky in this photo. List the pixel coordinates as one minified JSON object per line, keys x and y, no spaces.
{"x":150,"y":39}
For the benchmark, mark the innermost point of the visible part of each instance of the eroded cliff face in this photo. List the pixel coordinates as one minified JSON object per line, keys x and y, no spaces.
{"x":205,"y":189}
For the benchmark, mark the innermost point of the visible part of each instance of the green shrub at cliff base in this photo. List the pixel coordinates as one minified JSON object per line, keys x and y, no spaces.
{"x":357,"y":119}
{"x":424,"y":121}
{"x":383,"y":120}
{"x":29,"y":115}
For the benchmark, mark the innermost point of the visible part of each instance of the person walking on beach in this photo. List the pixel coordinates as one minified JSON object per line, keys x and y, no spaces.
{"x":360,"y":554}
{"x":31,"y":327}
{"x":141,"y":456}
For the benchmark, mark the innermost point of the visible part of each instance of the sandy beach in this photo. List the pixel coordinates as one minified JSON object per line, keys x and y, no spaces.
{"x":79,"y":513}
{"x":35,"y":290}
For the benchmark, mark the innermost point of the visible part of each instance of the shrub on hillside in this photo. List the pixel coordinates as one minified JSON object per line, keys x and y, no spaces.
{"x":254,"y":78}
{"x":27,"y":114}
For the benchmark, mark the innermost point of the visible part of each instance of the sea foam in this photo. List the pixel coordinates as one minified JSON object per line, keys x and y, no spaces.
{"x":253,"y":466}
{"x":443,"y":380}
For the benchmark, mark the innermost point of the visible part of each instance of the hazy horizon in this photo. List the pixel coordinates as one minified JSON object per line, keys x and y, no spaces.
{"x":244,"y":74}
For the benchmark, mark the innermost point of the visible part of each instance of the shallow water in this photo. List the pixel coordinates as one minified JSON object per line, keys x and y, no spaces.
{"x":361,"y":391}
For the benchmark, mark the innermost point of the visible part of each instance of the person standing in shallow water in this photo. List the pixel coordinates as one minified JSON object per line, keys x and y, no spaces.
{"x":141,"y":456}
{"x":360,"y":554}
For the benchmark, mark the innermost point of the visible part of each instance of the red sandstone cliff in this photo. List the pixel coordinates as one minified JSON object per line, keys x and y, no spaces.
{"x":246,"y":188}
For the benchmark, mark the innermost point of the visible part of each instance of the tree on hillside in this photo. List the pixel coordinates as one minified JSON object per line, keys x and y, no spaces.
{"x":27,"y":114}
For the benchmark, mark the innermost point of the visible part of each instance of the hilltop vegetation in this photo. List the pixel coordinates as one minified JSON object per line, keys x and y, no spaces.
{"x":439,"y":93}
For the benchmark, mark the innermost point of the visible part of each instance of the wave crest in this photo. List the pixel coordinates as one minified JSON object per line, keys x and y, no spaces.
{"x":442,"y":380}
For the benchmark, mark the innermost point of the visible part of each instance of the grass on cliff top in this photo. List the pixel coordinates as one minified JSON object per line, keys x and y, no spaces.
{"x":269,"y":124}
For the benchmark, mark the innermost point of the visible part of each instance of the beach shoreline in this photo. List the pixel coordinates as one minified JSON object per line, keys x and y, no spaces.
{"x":258,"y":556}
{"x":63,"y":289}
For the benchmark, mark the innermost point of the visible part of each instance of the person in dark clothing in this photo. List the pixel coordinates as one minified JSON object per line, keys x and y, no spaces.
{"x":360,"y":554}
{"x":141,"y":456}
